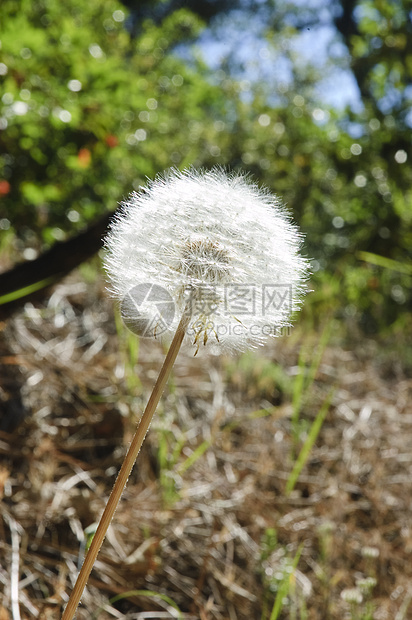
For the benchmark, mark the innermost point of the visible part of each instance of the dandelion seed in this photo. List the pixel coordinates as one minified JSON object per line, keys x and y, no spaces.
{"x":213,"y":240}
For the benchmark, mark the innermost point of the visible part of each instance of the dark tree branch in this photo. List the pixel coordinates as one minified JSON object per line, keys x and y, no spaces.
{"x":52,"y":265}
{"x":345,"y":22}
{"x":347,"y":26}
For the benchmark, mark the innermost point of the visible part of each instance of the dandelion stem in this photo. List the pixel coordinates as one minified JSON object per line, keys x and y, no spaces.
{"x":126,"y":468}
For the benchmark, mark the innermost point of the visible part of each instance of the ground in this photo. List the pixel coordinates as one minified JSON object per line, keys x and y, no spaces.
{"x":209,"y":524}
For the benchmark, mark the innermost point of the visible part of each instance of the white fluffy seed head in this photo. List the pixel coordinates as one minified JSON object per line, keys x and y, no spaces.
{"x":213,"y":242}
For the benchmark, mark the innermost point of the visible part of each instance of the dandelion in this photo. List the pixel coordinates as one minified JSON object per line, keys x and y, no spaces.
{"x":370,"y":552}
{"x":210,"y":258}
{"x":214,"y":243}
{"x":366,"y":585}
{"x":352,"y":596}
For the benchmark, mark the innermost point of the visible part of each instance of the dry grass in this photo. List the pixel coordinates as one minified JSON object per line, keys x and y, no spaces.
{"x":214,"y":533}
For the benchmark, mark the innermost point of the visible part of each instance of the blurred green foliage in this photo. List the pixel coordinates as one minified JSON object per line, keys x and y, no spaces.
{"x":87,"y":112}
{"x":90,"y":107}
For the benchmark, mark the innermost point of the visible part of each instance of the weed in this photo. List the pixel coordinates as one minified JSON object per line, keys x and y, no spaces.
{"x":168,"y":453}
{"x":279,"y":577}
{"x":308,"y":444}
{"x":258,"y":376}
{"x":171,"y":605}
{"x":129,"y":351}
{"x":302,"y":385}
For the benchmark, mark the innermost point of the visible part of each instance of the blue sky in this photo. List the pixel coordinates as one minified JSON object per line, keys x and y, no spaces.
{"x":240,"y":36}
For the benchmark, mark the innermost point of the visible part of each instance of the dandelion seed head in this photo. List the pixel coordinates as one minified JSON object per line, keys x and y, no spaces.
{"x":215,"y":240}
{"x":203,"y":260}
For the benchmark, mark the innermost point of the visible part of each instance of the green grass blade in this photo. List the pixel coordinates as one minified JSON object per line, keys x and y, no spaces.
{"x":309,"y":442}
{"x":317,"y":358}
{"x":129,"y":344}
{"x":148,"y":593}
{"x":303,"y":381}
{"x":284,"y":587}
{"x":386,"y":263}
{"x":26,"y":290}
{"x":298,"y":386}
{"x":196,"y":454}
